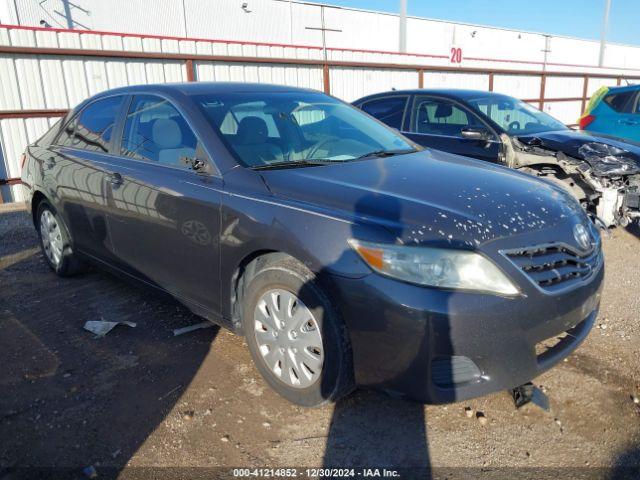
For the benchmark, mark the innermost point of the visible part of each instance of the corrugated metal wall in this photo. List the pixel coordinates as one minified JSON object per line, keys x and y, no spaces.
{"x":269,"y":21}
{"x":37,"y":82}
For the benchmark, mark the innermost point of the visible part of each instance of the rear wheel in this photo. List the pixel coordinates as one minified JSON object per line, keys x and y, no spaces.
{"x":296,"y":338}
{"x":55,"y":241}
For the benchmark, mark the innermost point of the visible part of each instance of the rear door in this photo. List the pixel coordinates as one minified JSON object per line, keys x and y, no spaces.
{"x":164,"y":217}
{"x":438,"y":123}
{"x":617,"y":114}
{"x":628,"y":119}
{"x":74,"y":174}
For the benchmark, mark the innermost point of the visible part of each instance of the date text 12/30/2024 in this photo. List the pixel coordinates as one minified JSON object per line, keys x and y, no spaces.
{"x":315,"y":473}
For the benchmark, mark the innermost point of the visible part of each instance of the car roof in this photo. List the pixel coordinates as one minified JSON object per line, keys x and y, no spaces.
{"x":624,"y":88}
{"x":201,"y":88}
{"x":455,"y":93}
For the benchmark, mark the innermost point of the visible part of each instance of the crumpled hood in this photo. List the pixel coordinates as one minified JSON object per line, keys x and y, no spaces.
{"x":430,"y":196}
{"x":580,"y":144}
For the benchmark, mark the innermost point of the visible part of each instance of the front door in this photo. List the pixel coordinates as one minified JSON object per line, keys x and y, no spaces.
{"x":438,"y":123}
{"x":164,"y":217}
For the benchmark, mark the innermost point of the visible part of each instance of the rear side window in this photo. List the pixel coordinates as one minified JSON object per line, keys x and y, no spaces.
{"x":622,"y":102}
{"x":389,"y":110}
{"x":155,"y":131}
{"x":93,"y":128}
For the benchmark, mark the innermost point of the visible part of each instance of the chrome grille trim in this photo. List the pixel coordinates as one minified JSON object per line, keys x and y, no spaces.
{"x":556,"y":267}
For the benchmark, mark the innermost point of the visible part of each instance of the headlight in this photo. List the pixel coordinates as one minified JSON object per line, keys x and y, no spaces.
{"x":435,"y":267}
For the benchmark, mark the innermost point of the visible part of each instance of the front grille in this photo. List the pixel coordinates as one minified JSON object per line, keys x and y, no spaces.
{"x":556,"y":267}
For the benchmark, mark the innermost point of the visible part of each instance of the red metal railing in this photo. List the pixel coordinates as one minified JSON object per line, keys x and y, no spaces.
{"x":189,"y":62}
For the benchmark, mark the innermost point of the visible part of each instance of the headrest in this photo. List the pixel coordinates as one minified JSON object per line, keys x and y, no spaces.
{"x":166,"y":133}
{"x":252,"y":130}
{"x":443,"y":110}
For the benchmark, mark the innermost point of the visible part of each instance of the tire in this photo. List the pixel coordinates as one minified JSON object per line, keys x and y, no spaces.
{"x":56,"y":243}
{"x":281,"y":279}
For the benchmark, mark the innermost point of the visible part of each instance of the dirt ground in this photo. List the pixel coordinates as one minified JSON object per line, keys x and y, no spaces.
{"x":141,"y":397}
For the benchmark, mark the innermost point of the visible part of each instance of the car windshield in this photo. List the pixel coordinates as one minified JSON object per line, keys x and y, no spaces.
{"x":281,"y":129}
{"x":515,"y":116}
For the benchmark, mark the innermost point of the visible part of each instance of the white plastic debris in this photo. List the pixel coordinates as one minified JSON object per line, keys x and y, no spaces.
{"x":100,"y":328}
{"x":191,"y":328}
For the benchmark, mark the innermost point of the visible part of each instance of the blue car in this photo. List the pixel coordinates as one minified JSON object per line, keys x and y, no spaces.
{"x":614,"y":111}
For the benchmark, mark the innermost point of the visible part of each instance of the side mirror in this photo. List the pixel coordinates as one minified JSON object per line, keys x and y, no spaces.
{"x":472,"y":133}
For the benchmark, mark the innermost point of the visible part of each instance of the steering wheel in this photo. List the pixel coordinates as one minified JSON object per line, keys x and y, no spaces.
{"x":515,"y":125}
{"x":317,"y":147}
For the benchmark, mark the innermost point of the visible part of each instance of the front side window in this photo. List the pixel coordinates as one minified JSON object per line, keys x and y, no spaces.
{"x":263,"y":128}
{"x":515,"y":116}
{"x":155,"y":131}
{"x":389,"y":110}
{"x":93,"y":128}
{"x":434,"y":116}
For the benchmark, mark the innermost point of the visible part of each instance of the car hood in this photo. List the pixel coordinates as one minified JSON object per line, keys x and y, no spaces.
{"x":580,"y":144}
{"x":429,"y":197}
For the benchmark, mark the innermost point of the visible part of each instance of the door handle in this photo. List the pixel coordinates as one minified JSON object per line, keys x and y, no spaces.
{"x":115,"y":179}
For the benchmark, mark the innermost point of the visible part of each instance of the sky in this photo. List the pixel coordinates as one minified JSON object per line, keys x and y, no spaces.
{"x":574,"y":18}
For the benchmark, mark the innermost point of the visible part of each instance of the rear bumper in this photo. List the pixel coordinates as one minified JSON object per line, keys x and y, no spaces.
{"x":435,"y":346}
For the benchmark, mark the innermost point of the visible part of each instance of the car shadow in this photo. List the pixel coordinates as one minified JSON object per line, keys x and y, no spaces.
{"x":634,"y":229}
{"x":71,"y":402}
{"x":626,"y":466}
{"x":370,"y":429}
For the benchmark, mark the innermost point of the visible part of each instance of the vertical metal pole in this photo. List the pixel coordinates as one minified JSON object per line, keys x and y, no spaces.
{"x":15,"y":7}
{"x":191,"y":71}
{"x":326,"y":79}
{"x":603,"y":35}
{"x":184,"y":19}
{"x":324,"y":36}
{"x":547,"y":50}
{"x":290,"y":22}
{"x":585,"y":89}
{"x":543,"y":86}
{"x":67,"y":14}
{"x":403,"y":26}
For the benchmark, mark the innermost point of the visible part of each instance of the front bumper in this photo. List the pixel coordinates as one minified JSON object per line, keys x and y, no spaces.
{"x":417,"y":342}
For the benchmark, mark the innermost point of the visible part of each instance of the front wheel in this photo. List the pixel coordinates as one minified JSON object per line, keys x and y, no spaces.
{"x":55,"y":241}
{"x":296,"y":338}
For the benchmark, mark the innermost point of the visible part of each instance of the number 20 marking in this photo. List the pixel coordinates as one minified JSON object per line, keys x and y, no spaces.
{"x":456,"y":55}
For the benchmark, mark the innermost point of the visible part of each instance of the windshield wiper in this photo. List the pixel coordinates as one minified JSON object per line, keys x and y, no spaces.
{"x":386,"y":153}
{"x":292,"y":164}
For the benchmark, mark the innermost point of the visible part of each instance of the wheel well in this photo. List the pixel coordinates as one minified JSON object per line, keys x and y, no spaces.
{"x":246,"y":269}
{"x":35,"y":202}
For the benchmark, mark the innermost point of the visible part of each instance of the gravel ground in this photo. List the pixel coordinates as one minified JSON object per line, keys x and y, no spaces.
{"x":141,"y":397}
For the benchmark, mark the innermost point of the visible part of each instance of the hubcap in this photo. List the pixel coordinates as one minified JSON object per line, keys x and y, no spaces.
{"x":288,"y":338}
{"x":51,"y":237}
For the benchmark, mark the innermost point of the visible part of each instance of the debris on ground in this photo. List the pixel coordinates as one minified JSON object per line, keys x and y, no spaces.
{"x":529,"y":393}
{"x":482,"y":419}
{"x":468,"y":411}
{"x":191,"y":328}
{"x":100,"y":327}
{"x":188,"y":415}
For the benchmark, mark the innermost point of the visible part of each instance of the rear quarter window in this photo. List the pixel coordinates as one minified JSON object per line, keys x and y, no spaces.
{"x":622,"y":102}
{"x":389,"y":110}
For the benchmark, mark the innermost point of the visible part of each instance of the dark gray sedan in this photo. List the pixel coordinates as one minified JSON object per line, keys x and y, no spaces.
{"x":344,"y":253}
